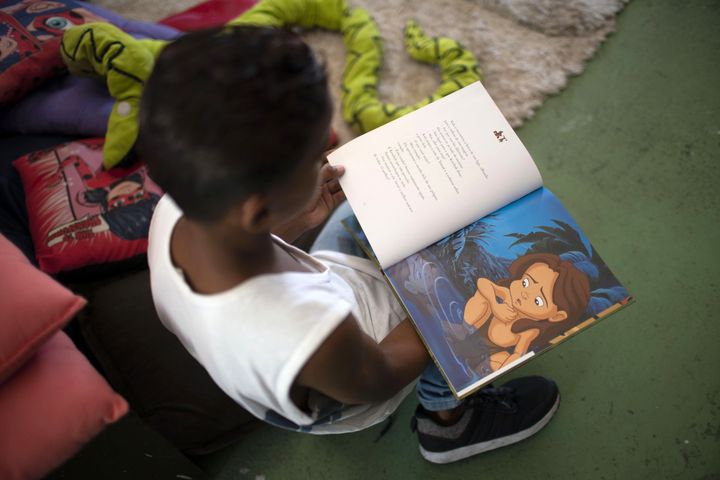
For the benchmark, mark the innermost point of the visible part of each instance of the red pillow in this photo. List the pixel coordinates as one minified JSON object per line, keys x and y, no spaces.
{"x":30,"y":32}
{"x":50,"y":408}
{"x":81,"y":215}
{"x":34,"y":307}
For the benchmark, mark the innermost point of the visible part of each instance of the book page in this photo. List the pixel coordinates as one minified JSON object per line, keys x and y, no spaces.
{"x":526,"y":272}
{"x":433,"y":171}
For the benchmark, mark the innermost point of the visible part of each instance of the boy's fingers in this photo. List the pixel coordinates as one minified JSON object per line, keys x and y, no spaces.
{"x":326,"y":173}
{"x":338,"y":197}
{"x":334,"y":185}
{"x":329,"y":172}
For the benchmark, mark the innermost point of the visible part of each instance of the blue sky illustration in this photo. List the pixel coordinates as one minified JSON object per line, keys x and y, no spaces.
{"x":524,"y":215}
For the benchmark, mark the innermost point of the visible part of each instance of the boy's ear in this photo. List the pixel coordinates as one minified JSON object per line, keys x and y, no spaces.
{"x":559,"y":316}
{"x":252,"y":214}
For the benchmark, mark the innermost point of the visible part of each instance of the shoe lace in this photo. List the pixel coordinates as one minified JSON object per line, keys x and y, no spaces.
{"x":498,"y":396}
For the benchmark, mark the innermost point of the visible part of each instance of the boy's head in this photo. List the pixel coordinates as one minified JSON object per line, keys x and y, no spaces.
{"x":232,"y":112}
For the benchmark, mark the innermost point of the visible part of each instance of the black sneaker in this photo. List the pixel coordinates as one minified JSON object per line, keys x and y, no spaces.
{"x":494,"y":418}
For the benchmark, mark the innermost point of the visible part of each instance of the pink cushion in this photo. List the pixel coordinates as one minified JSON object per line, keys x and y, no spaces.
{"x":34,"y":307}
{"x":50,"y":408}
{"x":80,"y":214}
{"x":30,"y":42}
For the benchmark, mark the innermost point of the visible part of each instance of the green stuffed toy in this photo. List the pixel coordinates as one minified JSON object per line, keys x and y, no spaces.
{"x":361,"y":106}
{"x":325,"y":14}
{"x":102,"y":49}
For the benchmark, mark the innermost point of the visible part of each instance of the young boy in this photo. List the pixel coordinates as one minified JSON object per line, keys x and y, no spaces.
{"x":233,"y":125}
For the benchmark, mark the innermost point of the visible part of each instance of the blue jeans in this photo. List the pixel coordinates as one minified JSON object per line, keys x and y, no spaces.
{"x":432,"y":390}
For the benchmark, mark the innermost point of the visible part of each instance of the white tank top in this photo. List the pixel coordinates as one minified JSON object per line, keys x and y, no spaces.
{"x":254,"y":338}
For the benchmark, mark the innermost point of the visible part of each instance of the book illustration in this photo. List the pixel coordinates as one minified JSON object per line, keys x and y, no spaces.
{"x":504,"y":288}
{"x":352,"y":225}
{"x":541,"y":288}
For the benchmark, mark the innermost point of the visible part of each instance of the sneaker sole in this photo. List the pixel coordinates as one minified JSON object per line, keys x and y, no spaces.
{"x":470,"y":450}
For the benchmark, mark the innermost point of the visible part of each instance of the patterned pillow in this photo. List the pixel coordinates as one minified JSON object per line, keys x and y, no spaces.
{"x":30,"y":32}
{"x":80,"y":214}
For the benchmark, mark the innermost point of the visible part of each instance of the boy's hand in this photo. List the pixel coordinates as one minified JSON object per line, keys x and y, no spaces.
{"x":328,"y":196}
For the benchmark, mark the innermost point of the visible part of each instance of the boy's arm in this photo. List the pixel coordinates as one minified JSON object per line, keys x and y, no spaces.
{"x":351,"y":368}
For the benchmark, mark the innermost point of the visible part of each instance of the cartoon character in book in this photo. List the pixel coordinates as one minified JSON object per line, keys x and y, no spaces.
{"x":126,"y":207}
{"x":543,"y":297}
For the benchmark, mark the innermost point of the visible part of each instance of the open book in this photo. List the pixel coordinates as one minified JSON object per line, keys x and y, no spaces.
{"x":488,"y":263}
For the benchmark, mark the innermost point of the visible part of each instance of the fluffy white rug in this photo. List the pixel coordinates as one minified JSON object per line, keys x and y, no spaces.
{"x":527,"y":49}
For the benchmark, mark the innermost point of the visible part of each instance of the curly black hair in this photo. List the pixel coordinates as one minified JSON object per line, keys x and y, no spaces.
{"x":229,"y":112}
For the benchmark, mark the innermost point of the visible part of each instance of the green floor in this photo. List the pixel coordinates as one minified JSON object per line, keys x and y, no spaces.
{"x":632,"y":149}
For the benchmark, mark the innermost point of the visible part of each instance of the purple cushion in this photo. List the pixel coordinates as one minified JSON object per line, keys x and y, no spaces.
{"x":74,"y":105}
{"x":64,"y":105}
{"x":136,"y":28}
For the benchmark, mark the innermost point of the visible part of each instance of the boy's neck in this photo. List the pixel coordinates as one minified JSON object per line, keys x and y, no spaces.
{"x":214,"y":259}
